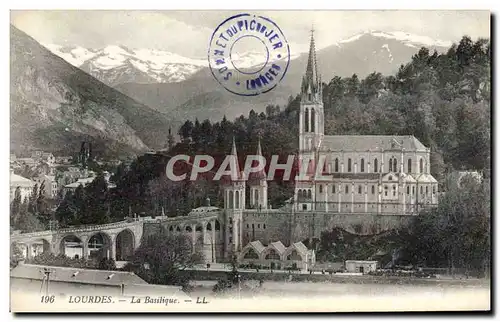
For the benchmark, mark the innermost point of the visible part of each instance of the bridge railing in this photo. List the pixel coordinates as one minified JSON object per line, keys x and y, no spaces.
{"x":81,"y":228}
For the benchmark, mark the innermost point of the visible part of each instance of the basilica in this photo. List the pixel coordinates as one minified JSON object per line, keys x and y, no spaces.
{"x":369,"y":183}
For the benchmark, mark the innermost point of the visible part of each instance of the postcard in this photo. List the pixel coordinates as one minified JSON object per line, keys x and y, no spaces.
{"x":250,"y":161}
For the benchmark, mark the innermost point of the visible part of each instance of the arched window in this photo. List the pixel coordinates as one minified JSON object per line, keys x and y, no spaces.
{"x":426,"y":190}
{"x":333,"y":188}
{"x":421,"y":190}
{"x":392,"y":164}
{"x":407,"y":190}
{"x":313,"y":120}
{"x":256,"y":196}
{"x":386,"y":189}
{"x":230,"y":200}
{"x":393,"y":190}
{"x":336,"y":164}
{"x":251,"y":254}
{"x":349,"y":165}
{"x":320,"y":188}
{"x":373,"y":190}
{"x":395,"y":165}
{"x":421,"y":165}
{"x":434,"y":190}
{"x":346,"y":188}
{"x":306,"y":120}
{"x":375,"y":165}
{"x":362,"y":165}
{"x":413,"y":190}
{"x":237,"y":200}
{"x":309,"y":194}
{"x":359,"y":189}
{"x":409,"y":166}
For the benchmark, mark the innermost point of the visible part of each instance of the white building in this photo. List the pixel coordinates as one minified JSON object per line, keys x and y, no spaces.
{"x":25,"y":186}
{"x":364,"y":267}
{"x":50,"y":185}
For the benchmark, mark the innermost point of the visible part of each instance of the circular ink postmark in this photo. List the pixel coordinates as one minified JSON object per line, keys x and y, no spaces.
{"x":248,"y":54}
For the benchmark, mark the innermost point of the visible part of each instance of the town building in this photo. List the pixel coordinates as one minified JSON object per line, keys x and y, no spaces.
{"x":65,"y":281}
{"x":50,"y":185}
{"x":359,"y":266}
{"x":277,"y":256}
{"x":86,"y":180}
{"x":25,"y":186}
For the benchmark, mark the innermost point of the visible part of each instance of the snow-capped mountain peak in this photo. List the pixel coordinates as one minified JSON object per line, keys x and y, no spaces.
{"x":117,"y":64}
{"x":410,"y":40}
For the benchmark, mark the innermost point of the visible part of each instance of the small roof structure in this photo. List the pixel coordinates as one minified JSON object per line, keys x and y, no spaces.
{"x":279,"y":247}
{"x":426,"y":178}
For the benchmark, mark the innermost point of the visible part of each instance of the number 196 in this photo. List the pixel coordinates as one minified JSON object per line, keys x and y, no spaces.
{"x":47,"y":299}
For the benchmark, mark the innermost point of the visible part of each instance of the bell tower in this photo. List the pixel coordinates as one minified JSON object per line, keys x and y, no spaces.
{"x":258,"y":186}
{"x":311,"y":123}
{"x":234,"y":204}
{"x":311,"y":129}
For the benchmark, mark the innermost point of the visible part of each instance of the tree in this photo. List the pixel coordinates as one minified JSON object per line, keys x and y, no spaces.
{"x":170,"y":139}
{"x":162,"y":258}
{"x":107,"y":264}
{"x":456,"y":233}
{"x":27,"y":221}
{"x":15,"y":207}
{"x":16,"y":255}
{"x":186,"y":131}
{"x":66,"y":213}
{"x":98,"y":205}
{"x":42,"y":206}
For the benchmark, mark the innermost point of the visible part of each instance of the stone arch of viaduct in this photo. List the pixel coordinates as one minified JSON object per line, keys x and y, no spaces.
{"x":120,"y":238}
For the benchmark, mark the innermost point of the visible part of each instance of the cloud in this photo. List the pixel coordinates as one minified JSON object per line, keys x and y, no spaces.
{"x":188,"y":32}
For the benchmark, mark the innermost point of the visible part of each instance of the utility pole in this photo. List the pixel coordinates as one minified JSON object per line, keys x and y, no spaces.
{"x":45,"y":280}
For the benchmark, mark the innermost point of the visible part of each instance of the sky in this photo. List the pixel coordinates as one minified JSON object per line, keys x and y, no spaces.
{"x":188,"y":32}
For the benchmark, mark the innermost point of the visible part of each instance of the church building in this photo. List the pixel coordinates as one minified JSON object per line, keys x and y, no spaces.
{"x":366,"y":173}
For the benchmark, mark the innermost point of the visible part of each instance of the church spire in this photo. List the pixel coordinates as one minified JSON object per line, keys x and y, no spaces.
{"x":259,"y":149}
{"x":235,"y":164}
{"x":311,"y":85}
{"x":312,"y":69}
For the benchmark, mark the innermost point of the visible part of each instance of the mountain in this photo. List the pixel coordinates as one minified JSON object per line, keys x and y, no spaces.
{"x":201,"y":96}
{"x":55,"y":106}
{"x":114,"y":65}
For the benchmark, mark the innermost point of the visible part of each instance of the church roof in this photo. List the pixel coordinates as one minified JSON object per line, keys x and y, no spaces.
{"x":424,"y":177}
{"x":371,"y":142}
{"x":257,"y":245}
{"x":279,"y":246}
{"x":300,"y":247}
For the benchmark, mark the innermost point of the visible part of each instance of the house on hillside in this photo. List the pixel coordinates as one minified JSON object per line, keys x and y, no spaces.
{"x":25,"y":186}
